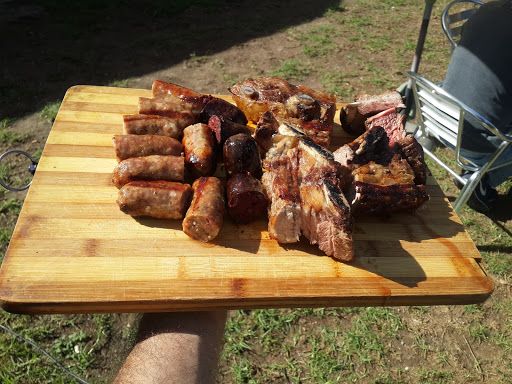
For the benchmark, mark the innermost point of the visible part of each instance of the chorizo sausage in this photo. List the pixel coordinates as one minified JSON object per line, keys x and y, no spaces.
{"x":157,"y":125}
{"x":241,"y":155}
{"x":128,"y":146}
{"x":187,"y":98}
{"x":154,"y":167}
{"x":164,"y":107}
{"x":205,"y":215}
{"x":246,"y":199}
{"x":159,"y":199}
{"x":199,"y":147}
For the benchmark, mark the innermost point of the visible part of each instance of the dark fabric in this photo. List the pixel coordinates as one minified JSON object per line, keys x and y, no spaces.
{"x":480,"y":73}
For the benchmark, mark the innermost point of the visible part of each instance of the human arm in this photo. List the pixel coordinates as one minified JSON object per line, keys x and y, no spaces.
{"x":180,"y":347}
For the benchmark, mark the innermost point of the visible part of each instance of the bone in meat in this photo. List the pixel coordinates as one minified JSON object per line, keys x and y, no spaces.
{"x":280,"y":185}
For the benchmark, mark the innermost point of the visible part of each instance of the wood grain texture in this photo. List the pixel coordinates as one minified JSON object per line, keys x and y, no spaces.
{"x":74,"y":251}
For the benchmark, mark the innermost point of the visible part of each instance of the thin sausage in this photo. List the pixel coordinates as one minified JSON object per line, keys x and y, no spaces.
{"x":206,"y":212}
{"x":128,"y":146}
{"x":155,"y":167}
{"x":159,"y":199}
{"x":199,"y":147}
{"x":246,"y":200}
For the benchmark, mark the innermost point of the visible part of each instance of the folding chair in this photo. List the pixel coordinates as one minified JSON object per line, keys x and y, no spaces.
{"x":441,"y":116}
{"x":455,"y":15}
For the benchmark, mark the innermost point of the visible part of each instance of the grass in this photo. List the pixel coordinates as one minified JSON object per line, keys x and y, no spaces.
{"x":50,"y":110}
{"x":291,"y":70}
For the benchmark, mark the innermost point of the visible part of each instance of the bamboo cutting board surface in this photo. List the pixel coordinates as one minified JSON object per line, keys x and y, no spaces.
{"x":74,"y":251}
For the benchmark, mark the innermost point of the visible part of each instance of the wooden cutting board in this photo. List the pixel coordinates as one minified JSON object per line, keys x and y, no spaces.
{"x":74,"y":251}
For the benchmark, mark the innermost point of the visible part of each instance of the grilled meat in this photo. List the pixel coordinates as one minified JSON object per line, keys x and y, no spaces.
{"x":310,"y":110}
{"x":373,"y":145}
{"x":317,"y":163}
{"x":222,"y":109}
{"x":265,"y":130}
{"x":369,"y":198}
{"x":205,"y":215}
{"x":383,"y":179}
{"x":311,"y":201}
{"x":159,"y":199}
{"x":192,"y":101}
{"x":325,"y":213}
{"x":412,"y":151}
{"x":127,"y":146}
{"x":199,"y":145}
{"x":397,"y":172}
{"x":281,"y":186}
{"x":246,"y":200}
{"x":157,"y":125}
{"x":164,"y":107}
{"x":354,"y":115}
{"x":224,"y":129}
{"x":154,"y":167}
{"x":391,"y":121}
{"x":241,"y":155}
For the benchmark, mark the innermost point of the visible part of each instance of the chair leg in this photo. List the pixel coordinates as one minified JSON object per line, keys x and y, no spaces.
{"x":466,"y":191}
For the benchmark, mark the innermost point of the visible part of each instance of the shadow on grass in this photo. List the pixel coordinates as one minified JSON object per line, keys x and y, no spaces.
{"x":51,"y":45}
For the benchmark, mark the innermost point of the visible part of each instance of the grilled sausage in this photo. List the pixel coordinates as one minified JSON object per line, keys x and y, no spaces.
{"x":187,"y":98}
{"x":163,"y":107}
{"x":241,"y":155}
{"x":206,"y":212}
{"x":246,"y":199}
{"x":199,"y":146}
{"x":223,"y":129}
{"x":155,"y":167}
{"x":157,"y":125}
{"x":159,"y":199}
{"x":128,"y":146}
{"x":224,"y":110}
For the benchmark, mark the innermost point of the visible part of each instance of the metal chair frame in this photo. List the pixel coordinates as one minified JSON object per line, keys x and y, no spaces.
{"x":442,"y":116}
{"x":453,"y":22}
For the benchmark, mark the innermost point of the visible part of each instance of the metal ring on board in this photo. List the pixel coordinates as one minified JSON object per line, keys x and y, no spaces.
{"x":31,"y":168}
